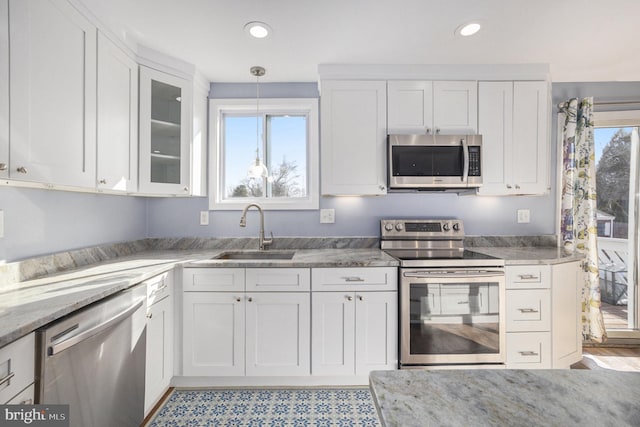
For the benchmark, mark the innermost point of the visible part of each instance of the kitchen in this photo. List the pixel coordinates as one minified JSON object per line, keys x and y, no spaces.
{"x":38,"y":222}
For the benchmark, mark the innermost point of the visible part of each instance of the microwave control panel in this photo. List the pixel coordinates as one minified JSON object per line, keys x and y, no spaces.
{"x":474,"y":161}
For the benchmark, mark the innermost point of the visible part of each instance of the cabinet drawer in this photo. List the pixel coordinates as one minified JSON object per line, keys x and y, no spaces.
{"x":213,"y":279}
{"x":159,"y":287}
{"x":25,"y":397}
{"x":528,"y":310}
{"x":530,"y":350}
{"x":17,"y":362}
{"x":278,"y":279}
{"x":528,"y":277}
{"x":355,"y":279}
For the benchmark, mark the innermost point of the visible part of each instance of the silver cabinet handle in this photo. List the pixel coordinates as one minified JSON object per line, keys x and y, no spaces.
{"x":21,"y":169}
{"x":250,"y":299}
{"x":528,"y":310}
{"x":360,"y":297}
{"x":509,"y":186}
{"x":349,"y":298}
{"x":528,"y":277}
{"x":57,"y":348}
{"x":3,"y":166}
{"x":528,"y":353}
{"x":437,"y":130}
{"x":185,"y":189}
{"x":27,"y":402}
{"x":103,"y":181}
{"x":6,"y":379}
{"x":353,"y":279}
{"x":150,"y":316}
{"x":517,"y":186}
{"x":381,"y":187}
{"x":428,"y":130}
{"x":238,"y":299}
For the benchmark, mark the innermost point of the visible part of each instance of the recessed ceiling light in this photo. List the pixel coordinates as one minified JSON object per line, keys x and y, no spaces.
{"x":257,"y":29}
{"x":468,"y":29}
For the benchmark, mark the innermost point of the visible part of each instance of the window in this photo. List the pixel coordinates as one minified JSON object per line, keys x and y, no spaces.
{"x":284,"y":137}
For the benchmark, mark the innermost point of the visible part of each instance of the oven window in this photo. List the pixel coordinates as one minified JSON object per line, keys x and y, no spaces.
{"x":460,"y":318}
{"x":427,"y":161}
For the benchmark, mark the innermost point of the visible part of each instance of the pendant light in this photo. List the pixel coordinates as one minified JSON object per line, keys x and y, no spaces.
{"x":257,"y":169}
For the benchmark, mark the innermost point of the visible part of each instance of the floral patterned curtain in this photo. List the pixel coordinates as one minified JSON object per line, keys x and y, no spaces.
{"x":578,"y":223}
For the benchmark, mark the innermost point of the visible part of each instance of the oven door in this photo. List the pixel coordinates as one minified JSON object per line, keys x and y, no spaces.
{"x":452,"y":316}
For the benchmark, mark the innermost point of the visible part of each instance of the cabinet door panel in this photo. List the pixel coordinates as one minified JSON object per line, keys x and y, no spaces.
{"x":52,"y":93}
{"x":214,"y":279}
{"x":117,"y":118}
{"x":528,"y":350}
{"x":376,"y":331}
{"x":528,"y":310}
{"x":333,"y":333}
{"x":354,"y":131}
{"x":4,"y":89}
{"x":530,"y":137}
{"x":410,"y":106}
{"x":455,"y":107}
{"x":165,"y":131}
{"x":495,"y":115}
{"x":213,"y":334}
{"x":277,"y":334}
{"x":159,"y":367}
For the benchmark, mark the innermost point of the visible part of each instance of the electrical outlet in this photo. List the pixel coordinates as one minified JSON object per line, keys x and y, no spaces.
{"x":524,"y":216}
{"x":327,"y":216}
{"x":204,"y":217}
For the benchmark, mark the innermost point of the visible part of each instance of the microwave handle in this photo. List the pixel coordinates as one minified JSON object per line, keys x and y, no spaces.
{"x":465,"y":154}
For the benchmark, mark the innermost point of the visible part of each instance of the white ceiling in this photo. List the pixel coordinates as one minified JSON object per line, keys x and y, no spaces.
{"x":582,"y":40}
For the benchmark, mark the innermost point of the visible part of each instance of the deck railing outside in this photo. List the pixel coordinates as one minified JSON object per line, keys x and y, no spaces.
{"x":612,"y":262}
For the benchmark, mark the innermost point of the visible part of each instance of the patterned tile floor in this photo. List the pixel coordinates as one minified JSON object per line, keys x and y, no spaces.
{"x":304,"y":407}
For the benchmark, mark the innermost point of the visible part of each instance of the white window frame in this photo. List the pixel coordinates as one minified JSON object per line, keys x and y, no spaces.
{"x":219,"y":107}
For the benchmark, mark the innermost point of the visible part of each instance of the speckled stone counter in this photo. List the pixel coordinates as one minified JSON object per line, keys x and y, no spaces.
{"x":501,"y":397}
{"x":529,"y":255}
{"x":28,"y":304}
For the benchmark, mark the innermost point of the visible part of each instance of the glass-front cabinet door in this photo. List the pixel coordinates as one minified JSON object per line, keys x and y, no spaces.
{"x":165,"y":109}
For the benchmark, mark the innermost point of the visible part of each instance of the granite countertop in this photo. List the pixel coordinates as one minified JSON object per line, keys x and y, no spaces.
{"x":529,"y":255}
{"x":503,"y":397}
{"x":29,"y":304}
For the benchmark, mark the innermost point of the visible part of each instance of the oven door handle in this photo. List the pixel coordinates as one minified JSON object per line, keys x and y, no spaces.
{"x":452,"y":274}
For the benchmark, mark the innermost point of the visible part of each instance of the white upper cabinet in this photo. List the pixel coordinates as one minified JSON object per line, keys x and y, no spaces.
{"x":513,"y":121}
{"x":52,"y":93}
{"x":447,"y":107}
{"x":354,"y":134}
{"x":4,"y":89}
{"x":165,"y":131}
{"x":117,"y":118}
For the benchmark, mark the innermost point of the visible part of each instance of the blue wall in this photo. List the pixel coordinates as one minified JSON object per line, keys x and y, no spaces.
{"x":41,"y":221}
{"x":38,"y":222}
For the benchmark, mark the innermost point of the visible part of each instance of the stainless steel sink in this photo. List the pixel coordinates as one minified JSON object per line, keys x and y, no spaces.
{"x":256,"y":255}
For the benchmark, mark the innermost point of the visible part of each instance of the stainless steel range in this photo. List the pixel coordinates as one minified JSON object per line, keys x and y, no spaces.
{"x":452,"y":301}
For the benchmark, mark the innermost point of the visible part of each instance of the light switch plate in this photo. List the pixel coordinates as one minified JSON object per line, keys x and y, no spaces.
{"x":524,"y":216}
{"x":327,"y":216}
{"x":204,"y":217}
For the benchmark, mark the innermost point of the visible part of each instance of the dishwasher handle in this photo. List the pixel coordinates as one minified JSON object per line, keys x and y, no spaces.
{"x":61,"y":346}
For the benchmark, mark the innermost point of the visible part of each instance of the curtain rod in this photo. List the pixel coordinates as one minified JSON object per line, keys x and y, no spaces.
{"x":561,"y":104}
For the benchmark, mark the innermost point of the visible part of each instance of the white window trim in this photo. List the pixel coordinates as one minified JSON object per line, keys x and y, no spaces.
{"x":217,"y":107}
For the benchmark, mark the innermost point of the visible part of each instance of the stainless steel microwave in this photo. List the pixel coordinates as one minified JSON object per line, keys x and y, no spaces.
{"x":434,"y":162}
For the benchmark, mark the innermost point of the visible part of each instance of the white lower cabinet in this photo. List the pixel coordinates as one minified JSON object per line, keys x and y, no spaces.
{"x":238,"y":332}
{"x":159,"y":359}
{"x":353,"y":331}
{"x":17,"y":371}
{"x":543,"y":316}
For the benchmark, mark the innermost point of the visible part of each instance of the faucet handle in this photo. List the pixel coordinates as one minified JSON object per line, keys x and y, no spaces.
{"x":268,"y":240}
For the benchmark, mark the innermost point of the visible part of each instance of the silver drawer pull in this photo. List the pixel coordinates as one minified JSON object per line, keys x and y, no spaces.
{"x":353,"y":279}
{"x":528,"y":353}
{"x":463,"y":302}
{"x":528,"y":310}
{"x":6,"y":379}
{"x":528,"y":277}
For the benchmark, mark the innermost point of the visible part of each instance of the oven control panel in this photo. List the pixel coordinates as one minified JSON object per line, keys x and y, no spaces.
{"x":421,"y":228}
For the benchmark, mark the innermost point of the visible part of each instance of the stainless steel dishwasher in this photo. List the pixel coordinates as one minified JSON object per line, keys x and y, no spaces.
{"x":94,"y":360}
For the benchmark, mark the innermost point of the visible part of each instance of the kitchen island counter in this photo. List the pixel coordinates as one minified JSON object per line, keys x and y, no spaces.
{"x":503,"y":397}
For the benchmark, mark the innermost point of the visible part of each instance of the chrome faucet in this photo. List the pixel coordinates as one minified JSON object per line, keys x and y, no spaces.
{"x":263,"y":242}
